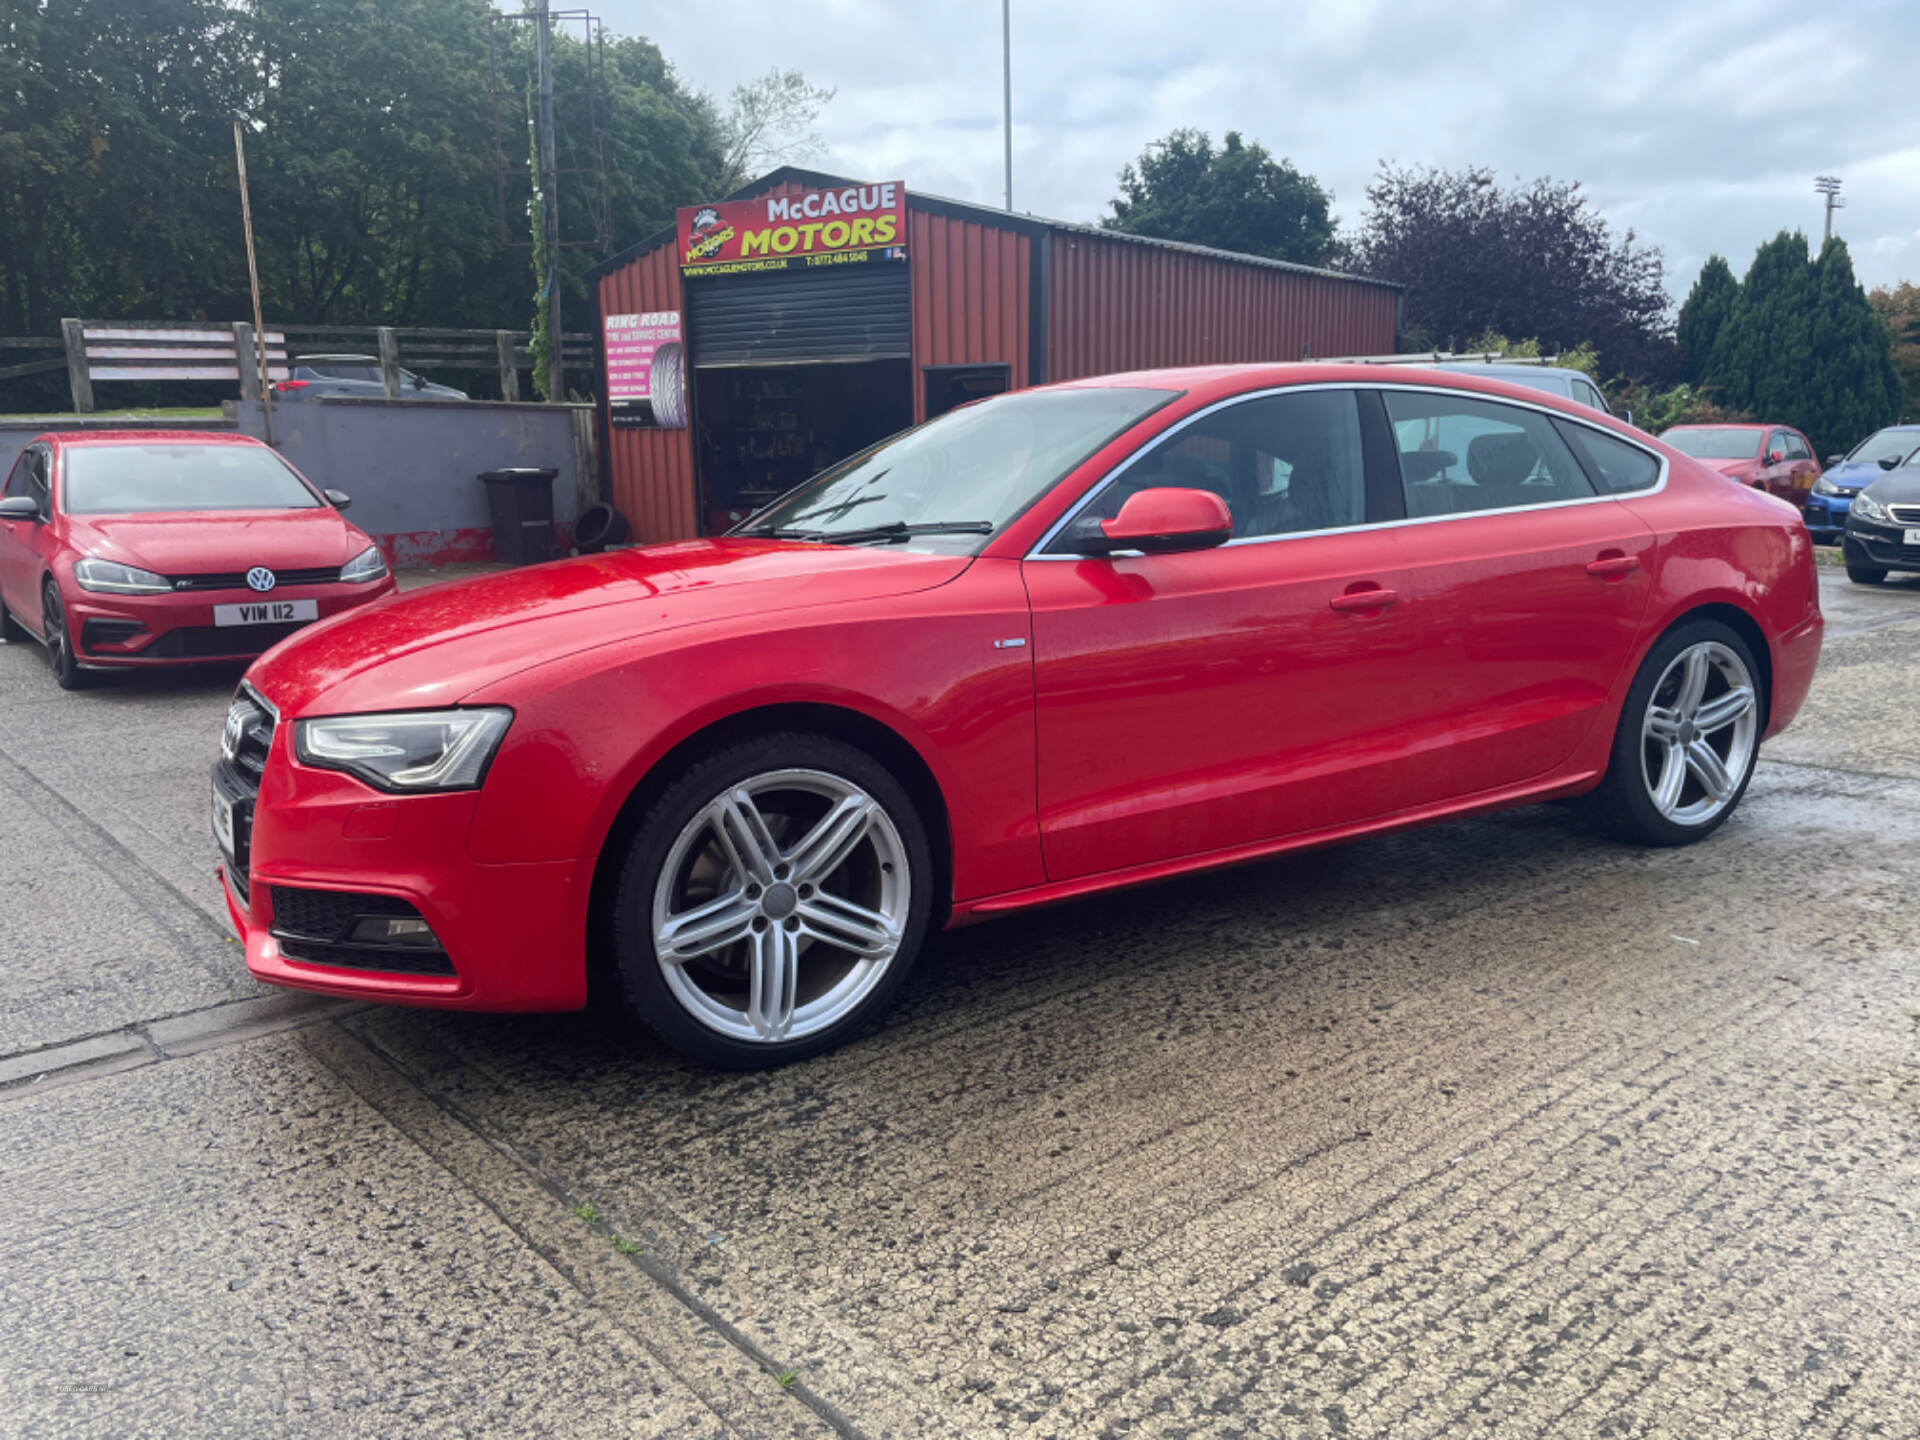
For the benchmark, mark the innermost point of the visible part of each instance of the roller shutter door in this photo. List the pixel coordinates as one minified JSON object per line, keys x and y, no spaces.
{"x":788,"y":317}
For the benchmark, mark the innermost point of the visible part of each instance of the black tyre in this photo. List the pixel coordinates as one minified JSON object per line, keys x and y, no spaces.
{"x":773,"y":901}
{"x":1688,"y":738}
{"x":1858,"y":569}
{"x":59,"y":640}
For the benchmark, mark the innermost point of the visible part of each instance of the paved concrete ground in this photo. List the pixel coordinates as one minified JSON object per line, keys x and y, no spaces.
{"x":1493,"y":1128}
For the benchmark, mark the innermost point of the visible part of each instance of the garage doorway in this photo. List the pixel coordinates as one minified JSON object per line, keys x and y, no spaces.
{"x":951,"y":386}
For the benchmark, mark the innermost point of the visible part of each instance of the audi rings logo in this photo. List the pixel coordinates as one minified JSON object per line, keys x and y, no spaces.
{"x":260,"y":578}
{"x":235,"y":730}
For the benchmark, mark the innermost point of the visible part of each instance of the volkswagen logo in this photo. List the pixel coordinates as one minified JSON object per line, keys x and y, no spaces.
{"x":260,"y":578}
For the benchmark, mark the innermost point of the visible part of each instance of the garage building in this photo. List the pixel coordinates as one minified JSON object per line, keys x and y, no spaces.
{"x":780,"y":338}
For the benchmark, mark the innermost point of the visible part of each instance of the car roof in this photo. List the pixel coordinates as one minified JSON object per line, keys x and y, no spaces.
{"x":1208,"y":383}
{"x":66,"y":438}
{"x":1729,"y":425}
{"x":353,"y":359}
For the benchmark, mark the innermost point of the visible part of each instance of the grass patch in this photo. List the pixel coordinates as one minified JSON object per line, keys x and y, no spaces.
{"x":587,"y":1213}
{"x":786,"y":1378}
{"x":626,"y":1246}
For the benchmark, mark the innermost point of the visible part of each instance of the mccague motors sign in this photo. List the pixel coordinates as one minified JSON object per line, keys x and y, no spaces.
{"x":850,"y":225}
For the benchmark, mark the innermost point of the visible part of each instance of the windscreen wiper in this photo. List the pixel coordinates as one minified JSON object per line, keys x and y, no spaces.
{"x":901,"y":530}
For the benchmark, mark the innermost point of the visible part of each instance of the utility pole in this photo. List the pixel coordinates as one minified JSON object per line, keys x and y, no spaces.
{"x":253,"y":280}
{"x":549,"y":198}
{"x":1829,"y":186}
{"x":1006,"y":88}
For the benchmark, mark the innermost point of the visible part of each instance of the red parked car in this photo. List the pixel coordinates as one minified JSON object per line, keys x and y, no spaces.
{"x":1051,"y":643}
{"x":1775,"y":458}
{"x":139,"y":548}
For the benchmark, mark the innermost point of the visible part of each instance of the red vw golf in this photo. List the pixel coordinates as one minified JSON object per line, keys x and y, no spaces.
{"x":1055,"y":642}
{"x":138,"y":548}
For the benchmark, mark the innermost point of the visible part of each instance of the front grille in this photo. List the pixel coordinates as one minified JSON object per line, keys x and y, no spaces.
{"x":98,"y":633}
{"x":1905,"y":514}
{"x":237,"y":579}
{"x":244,"y":743}
{"x":220,"y":642}
{"x":314,"y":925}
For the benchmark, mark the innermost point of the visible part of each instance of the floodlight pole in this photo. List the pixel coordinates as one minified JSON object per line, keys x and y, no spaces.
{"x":549,"y":201}
{"x":253,"y":281}
{"x":1829,"y":186}
{"x":1006,"y":88}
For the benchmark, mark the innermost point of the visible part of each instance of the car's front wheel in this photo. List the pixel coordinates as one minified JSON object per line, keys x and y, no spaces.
{"x":1688,"y":737}
{"x":53,"y":617}
{"x":773,"y":900}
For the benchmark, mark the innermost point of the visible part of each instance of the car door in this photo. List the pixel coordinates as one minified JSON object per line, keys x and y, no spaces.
{"x":1528,"y":580}
{"x":1198,"y":701}
{"x":1801,"y":468}
{"x":20,"y":539}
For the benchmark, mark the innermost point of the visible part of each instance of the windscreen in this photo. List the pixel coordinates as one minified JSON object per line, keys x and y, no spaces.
{"x":1719,"y":443}
{"x":151,"y":479}
{"x":974,"y":468}
{"x":1887,"y":445}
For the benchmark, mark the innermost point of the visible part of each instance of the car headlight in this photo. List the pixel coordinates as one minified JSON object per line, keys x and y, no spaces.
{"x":369,"y":564}
{"x":1868,"y":508}
{"x":408,"y":751}
{"x":112,"y":578}
{"x":1824,"y":486}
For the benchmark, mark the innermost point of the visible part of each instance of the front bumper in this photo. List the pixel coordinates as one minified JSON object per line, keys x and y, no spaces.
{"x":1826,"y":515}
{"x":178,"y":628}
{"x":1882,"y":545}
{"x":515,"y":934}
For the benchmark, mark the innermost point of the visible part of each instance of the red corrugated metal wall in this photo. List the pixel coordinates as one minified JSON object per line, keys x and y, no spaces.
{"x":650,"y":471}
{"x":1117,"y":305}
{"x":971,"y":296}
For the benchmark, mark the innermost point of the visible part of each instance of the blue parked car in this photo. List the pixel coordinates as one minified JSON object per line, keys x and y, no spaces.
{"x":1848,"y":475}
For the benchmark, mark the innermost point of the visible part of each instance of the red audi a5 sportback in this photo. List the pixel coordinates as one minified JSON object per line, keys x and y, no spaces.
{"x":1058,"y":641}
{"x":164,"y":547}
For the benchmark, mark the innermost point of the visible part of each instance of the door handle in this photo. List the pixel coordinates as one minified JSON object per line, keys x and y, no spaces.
{"x":1611,"y":567}
{"x":1374,"y":599}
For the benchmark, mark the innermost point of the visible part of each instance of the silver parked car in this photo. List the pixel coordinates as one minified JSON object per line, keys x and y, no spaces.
{"x":1569,"y":384}
{"x":312,"y":376}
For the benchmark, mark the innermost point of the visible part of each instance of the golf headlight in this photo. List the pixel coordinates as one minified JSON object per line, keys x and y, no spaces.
{"x":1824,"y":486}
{"x":408,"y":751}
{"x":112,"y":578}
{"x":1868,"y":508}
{"x":369,"y":564}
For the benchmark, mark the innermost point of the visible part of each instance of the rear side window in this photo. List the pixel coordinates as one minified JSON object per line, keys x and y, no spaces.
{"x":1617,"y":467}
{"x":346,"y":372}
{"x":1285,"y":464}
{"x":1458,"y":455}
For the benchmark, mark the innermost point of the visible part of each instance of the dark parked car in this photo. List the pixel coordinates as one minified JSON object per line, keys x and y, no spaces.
{"x":356,"y":375}
{"x":1883,"y":526}
{"x":1848,"y":475}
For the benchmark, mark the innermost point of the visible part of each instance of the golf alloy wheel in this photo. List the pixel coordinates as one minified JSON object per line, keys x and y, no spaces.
{"x":781,"y":906}
{"x":1699,"y":733}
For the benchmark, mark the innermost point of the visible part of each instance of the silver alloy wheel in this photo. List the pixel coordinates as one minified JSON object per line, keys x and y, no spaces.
{"x":1699,"y":733}
{"x":781,"y":905}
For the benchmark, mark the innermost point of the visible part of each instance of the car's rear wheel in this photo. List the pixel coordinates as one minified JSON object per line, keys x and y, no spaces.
{"x":1688,"y":738}
{"x":773,"y":900}
{"x":59,"y":640}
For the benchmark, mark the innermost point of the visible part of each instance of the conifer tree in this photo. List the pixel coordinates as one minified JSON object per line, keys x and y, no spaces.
{"x":1705,"y":314}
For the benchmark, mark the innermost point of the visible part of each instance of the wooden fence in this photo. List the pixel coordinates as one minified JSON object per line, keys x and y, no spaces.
{"x":113,"y":351}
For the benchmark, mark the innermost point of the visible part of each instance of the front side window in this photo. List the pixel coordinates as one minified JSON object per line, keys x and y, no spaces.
{"x":1285,"y":464}
{"x":954,"y":480}
{"x":161,"y":478}
{"x":1796,"y":447}
{"x":1459,"y":455}
{"x":19,"y":478}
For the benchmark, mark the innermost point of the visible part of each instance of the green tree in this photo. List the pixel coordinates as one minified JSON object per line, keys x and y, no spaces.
{"x":1802,"y":345}
{"x":1235,"y":198}
{"x":1898,"y":307}
{"x":1705,"y":314}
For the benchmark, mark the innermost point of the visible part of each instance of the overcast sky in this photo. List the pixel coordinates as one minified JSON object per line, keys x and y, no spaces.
{"x":1700,"y":125}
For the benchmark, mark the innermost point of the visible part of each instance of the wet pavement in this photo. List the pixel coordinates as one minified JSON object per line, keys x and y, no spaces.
{"x":1490,"y":1128}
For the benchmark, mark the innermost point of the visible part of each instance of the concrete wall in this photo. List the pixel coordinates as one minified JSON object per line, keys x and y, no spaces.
{"x":410,"y":465}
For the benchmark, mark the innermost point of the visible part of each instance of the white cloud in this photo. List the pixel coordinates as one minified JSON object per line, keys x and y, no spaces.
{"x":1700,"y":126}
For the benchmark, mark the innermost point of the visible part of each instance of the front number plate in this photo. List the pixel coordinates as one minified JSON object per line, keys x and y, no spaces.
{"x":266,"y":612}
{"x":223,"y":824}
{"x":1912,"y":537}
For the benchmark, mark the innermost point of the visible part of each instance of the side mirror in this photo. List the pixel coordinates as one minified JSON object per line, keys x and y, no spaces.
{"x":1892,"y":462}
{"x":1833,"y":460}
{"x":339,"y":499}
{"x":1776,"y":457}
{"x":20,"y":507}
{"x":1161,"y":521}
{"x":419,"y":382}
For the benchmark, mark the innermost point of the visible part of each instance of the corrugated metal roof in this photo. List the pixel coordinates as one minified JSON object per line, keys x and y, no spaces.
{"x":988,"y":215}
